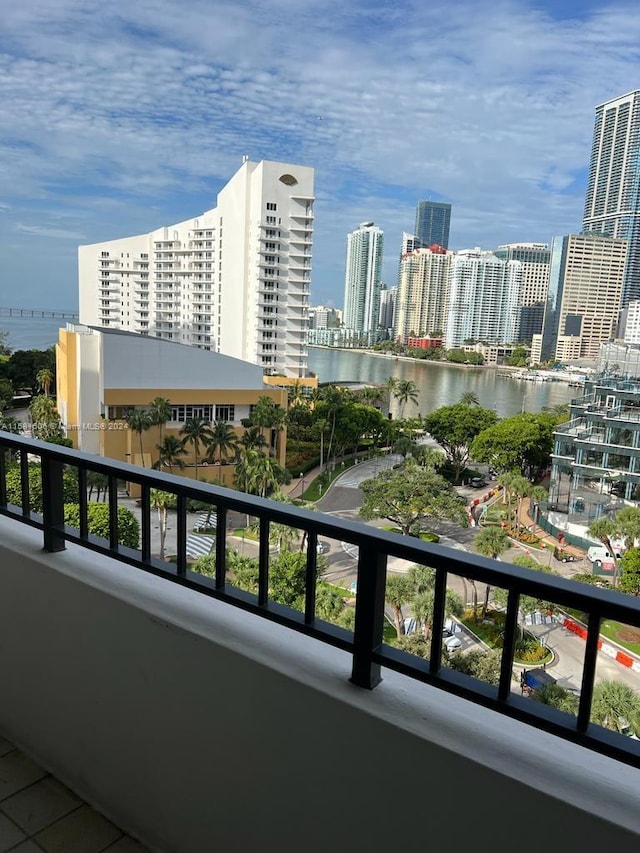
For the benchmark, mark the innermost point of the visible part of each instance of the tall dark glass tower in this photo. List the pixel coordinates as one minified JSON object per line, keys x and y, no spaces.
{"x":612,"y":205}
{"x":433,"y":219}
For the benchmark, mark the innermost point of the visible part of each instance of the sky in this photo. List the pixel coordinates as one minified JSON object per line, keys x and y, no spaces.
{"x":117,"y":118}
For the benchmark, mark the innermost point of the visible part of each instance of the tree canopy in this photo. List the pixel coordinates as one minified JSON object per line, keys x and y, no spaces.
{"x":455,"y":427}
{"x":407,"y":497}
{"x":521,"y":442}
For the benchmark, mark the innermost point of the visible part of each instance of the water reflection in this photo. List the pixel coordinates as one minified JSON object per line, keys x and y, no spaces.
{"x":440,"y":384}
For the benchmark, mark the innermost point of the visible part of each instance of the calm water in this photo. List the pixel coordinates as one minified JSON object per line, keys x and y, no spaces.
{"x":440,"y":384}
{"x":31,"y":332}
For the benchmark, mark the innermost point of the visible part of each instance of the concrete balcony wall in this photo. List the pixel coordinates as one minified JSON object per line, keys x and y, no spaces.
{"x":198,"y":727}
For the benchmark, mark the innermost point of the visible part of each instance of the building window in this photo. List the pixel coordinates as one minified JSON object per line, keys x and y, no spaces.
{"x":226,"y":413}
{"x":271,"y":205}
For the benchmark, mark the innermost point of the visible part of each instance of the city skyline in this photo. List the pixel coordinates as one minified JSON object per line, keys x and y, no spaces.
{"x":132,"y":119}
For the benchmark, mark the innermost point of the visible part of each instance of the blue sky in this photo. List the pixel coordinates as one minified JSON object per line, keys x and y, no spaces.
{"x":118,"y":118}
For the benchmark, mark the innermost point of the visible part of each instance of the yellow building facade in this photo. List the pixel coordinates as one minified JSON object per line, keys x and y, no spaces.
{"x":101,"y":375}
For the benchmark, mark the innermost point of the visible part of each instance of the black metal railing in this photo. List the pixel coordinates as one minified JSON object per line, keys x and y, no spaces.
{"x":365,"y":643}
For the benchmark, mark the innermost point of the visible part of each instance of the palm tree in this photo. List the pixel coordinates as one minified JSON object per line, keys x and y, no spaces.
{"x":196,"y":432}
{"x":398,"y":593}
{"x":557,"y":697}
{"x":616,"y":706}
{"x":253,"y":439}
{"x":44,"y":378}
{"x":222,"y":439}
{"x":170,"y":453}
{"x":521,"y":488}
{"x":160,"y":411}
{"x":139,"y":420}
{"x":469,"y":398}
{"x":268,"y":416}
{"x":295,"y":393}
{"x":406,"y":389}
{"x":490,"y":542}
{"x":604,"y":529}
{"x":371,"y":395}
{"x":162,"y":501}
{"x":388,"y":388}
{"x":536,"y":496}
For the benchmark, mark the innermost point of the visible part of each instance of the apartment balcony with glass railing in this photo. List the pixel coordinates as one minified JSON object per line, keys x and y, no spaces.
{"x":198,"y":716}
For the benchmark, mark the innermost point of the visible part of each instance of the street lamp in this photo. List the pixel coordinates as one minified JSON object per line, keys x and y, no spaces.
{"x":302,"y":483}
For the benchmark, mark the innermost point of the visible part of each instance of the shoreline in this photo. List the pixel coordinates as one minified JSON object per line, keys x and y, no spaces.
{"x":555,"y":376}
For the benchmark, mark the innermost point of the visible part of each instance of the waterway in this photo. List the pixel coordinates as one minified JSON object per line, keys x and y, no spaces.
{"x":440,"y":384}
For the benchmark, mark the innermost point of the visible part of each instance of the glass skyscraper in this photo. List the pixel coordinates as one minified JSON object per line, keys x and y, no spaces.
{"x":433,"y":219}
{"x":612,"y":205}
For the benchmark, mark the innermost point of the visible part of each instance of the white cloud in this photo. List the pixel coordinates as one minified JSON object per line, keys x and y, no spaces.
{"x":115,"y":109}
{"x":42,"y":231}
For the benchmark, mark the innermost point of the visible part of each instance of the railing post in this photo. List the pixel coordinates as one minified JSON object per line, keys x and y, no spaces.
{"x":3,"y":476}
{"x":369,"y":626}
{"x":52,"y":504}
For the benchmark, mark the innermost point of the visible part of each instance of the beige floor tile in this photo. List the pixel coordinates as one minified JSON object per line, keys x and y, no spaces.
{"x":83,"y":831}
{"x":16,"y":772}
{"x":10,"y":835}
{"x":40,"y":804}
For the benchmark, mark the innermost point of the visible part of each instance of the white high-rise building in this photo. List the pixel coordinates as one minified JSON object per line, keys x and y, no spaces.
{"x":235,"y":279}
{"x":362,"y":280}
{"x":422,"y":291}
{"x":483,"y":299}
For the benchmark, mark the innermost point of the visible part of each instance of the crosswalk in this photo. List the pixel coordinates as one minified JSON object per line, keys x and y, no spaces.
{"x":199,"y":546}
{"x":205,"y":521}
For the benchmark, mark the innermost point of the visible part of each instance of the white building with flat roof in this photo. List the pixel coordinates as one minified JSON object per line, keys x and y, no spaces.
{"x":234,"y":280}
{"x":483,"y":299}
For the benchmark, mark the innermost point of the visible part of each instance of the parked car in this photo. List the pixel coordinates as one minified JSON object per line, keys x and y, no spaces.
{"x":478,"y":482}
{"x":451,"y":643}
{"x":322,"y":547}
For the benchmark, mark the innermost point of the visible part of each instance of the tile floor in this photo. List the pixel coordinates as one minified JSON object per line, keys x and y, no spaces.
{"x":39,"y":815}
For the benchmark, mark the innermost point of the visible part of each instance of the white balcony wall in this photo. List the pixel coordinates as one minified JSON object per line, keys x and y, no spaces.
{"x":198,"y":727}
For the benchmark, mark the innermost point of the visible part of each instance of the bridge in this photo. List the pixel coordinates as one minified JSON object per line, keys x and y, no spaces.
{"x":34,"y":312}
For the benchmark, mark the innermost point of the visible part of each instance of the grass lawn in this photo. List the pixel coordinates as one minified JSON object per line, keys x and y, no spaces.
{"x":490,"y":632}
{"x":624,"y":635}
{"x":425,"y":535}
{"x":318,"y":487}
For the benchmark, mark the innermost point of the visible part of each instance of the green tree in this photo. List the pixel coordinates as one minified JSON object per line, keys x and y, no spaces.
{"x":469,"y":398}
{"x":197,"y":433}
{"x":6,"y":393}
{"x":557,"y":697}
{"x":222,"y":440}
{"x":23,"y":367}
{"x":160,"y":412}
{"x":97,"y":481}
{"x":522,"y":442}
{"x":98,"y":522}
{"x":398,"y":592}
{"x":406,"y":390}
{"x":139,"y":421}
{"x":44,"y":378}
{"x":14,"y":489}
{"x":329,"y":602}
{"x":253,"y":439}
{"x":409,"y":496}
{"x":170,"y":453}
{"x":482,"y":665}
{"x":616,"y":706}
{"x":268,"y":416}
{"x":455,"y":427}
{"x":490,"y":542}
{"x":45,"y":420}
{"x":630,"y":572}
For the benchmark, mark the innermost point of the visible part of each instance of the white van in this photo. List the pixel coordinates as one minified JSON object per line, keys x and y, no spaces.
{"x":600,"y":553}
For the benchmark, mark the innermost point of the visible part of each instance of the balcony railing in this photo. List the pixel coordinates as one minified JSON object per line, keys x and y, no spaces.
{"x":365,"y":643}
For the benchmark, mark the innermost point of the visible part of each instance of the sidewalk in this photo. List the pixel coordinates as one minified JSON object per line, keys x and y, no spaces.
{"x":550,"y":541}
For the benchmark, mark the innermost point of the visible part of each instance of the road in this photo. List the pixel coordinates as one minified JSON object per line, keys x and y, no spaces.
{"x":344,"y":499}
